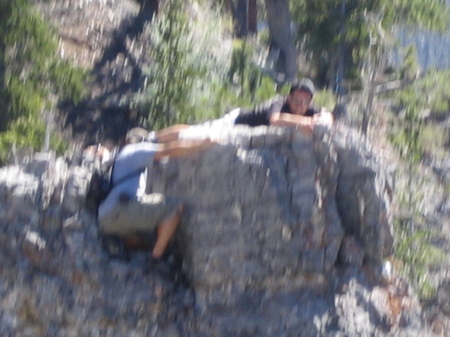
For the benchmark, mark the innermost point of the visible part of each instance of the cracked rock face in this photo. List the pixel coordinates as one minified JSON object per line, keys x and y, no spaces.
{"x":263,"y":248}
{"x":282,"y":235}
{"x":265,"y":214}
{"x":272,"y":207}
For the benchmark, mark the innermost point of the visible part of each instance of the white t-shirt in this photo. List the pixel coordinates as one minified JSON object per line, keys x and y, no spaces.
{"x":133,"y":158}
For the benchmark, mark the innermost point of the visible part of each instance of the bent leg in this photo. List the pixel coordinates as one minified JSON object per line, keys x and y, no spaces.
{"x":165,"y":231}
{"x":135,"y":220}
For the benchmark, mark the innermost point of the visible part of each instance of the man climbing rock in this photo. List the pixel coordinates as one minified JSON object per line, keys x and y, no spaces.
{"x":128,"y":212}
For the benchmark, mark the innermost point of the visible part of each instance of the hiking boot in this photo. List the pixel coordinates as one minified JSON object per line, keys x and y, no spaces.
{"x":115,"y":248}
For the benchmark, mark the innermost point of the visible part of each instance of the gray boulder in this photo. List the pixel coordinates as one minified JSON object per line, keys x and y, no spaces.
{"x":269,"y":246}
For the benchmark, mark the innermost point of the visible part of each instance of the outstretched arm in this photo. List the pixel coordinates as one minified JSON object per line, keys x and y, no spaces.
{"x":303,"y":123}
{"x":170,"y":133}
{"x":181,"y":148}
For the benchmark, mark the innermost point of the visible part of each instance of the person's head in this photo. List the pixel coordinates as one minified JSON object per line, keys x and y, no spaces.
{"x":136,"y":135}
{"x":300,"y":96}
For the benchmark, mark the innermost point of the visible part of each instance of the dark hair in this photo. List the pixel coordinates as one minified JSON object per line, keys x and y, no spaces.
{"x":305,"y":84}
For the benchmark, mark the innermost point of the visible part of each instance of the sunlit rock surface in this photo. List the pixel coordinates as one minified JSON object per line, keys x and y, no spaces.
{"x":269,"y":245}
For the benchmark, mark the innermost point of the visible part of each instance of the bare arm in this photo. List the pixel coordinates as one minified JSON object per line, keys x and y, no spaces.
{"x":302,"y":123}
{"x":181,"y":148}
{"x":170,"y":133}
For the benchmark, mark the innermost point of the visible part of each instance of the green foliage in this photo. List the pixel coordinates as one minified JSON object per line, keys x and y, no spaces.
{"x":406,"y":135}
{"x":173,"y":71}
{"x":410,"y":67}
{"x":25,"y":98}
{"x":436,"y":91}
{"x":193,"y":82}
{"x":417,"y":254}
{"x":27,"y":132}
{"x":428,"y":14}
{"x":242,"y":71}
{"x":206,"y":81}
{"x":244,"y":75}
{"x":324,"y":25}
{"x":409,"y":133}
{"x":68,"y":82}
{"x":31,"y":75}
{"x":412,"y":136}
{"x":326,"y":99}
{"x":245,"y":84}
{"x":433,"y":139}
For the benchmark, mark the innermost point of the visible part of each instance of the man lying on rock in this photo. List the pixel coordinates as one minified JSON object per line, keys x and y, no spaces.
{"x":128,"y":212}
{"x":293,"y":110}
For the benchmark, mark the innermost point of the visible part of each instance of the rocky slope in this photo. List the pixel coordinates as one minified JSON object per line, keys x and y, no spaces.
{"x":56,"y":280}
{"x":267,"y":246}
{"x":103,"y":36}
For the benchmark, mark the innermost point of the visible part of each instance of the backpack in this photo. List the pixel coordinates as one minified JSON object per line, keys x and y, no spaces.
{"x":100,"y":184}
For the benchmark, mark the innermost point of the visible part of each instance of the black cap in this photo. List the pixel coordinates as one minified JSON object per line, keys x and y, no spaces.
{"x":305,"y":84}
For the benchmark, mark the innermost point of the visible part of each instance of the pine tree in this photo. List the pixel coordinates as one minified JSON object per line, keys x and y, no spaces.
{"x":31,"y":75}
{"x":173,"y":70}
{"x":328,"y":28}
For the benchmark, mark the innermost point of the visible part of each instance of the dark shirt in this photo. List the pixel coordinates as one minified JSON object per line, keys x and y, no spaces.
{"x":260,"y":115}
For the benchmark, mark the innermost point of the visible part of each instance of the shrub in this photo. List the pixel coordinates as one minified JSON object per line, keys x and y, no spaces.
{"x":193,"y":82}
{"x":417,"y":254}
{"x":32,"y":77}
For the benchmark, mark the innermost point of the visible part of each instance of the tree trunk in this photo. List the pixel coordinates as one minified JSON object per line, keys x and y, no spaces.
{"x":282,"y":36}
{"x":371,"y":87}
{"x":252,"y":17}
{"x":241,"y":18}
{"x":5,"y":12}
{"x":3,"y":96}
{"x":149,"y":9}
{"x":368,"y":108}
{"x":245,"y":16}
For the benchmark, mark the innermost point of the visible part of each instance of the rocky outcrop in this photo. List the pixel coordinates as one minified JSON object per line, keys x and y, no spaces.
{"x":272,"y":206}
{"x":283,"y":235}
